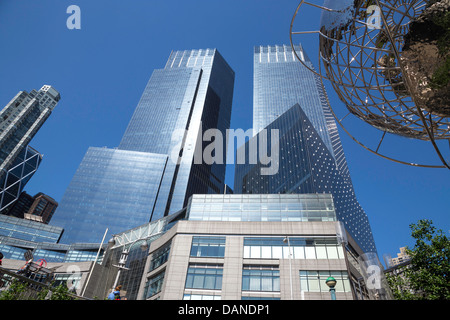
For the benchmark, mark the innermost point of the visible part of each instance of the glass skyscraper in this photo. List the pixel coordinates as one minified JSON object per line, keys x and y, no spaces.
{"x":152,"y":173}
{"x":289,"y":98}
{"x":20,"y":120}
{"x":17,"y":176}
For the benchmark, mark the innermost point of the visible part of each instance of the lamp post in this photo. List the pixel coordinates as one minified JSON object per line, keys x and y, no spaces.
{"x":331,"y":282}
{"x":286,"y":239}
{"x":124,"y":256}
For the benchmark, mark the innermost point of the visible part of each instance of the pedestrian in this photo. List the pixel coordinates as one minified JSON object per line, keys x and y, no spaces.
{"x":115,"y":294}
{"x":1,"y":257}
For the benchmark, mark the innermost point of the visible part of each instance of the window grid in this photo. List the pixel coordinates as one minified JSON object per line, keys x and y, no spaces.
{"x":261,"y":278}
{"x":154,"y":285}
{"x":314,"y":281}
{"x":299,"y":248}
{"x":207,"y":277}
{"x":160,"y":257}
{"x":208,"y":247}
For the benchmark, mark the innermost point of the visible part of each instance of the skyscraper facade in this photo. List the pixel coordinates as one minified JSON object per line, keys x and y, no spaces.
{"x":289,"y":98}
{"x":17,"y":176}
{"x":42,"y":208}
{"x":20,"y":120}
{"x":152,"y":173}
{"x":192,"y":94}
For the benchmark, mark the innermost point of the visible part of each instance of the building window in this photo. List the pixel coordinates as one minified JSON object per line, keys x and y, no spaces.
{"x":71,"y":280}
{"x":154,"y":285}
{"x":314,"y":281}
{"x":160,"y":257}
{"x":208,"y":247}
{"x":261,"y":278}
{"x":300,"y":248}
{"x":201,"y":276}
{"x":259,"y":298}
{"x":191,"y":296}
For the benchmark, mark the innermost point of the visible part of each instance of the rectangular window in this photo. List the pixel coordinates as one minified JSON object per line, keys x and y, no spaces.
{"x":159,"y":257}
{"x":314,"y":281}
{"x":191,"y":296}
{"x":261,"y":278}
{"x":259,"y":298}
{"x":296,"y":248}
{"x":208,"y":247}
{"x":204,"y":277}
{"x":154,"y":285}
{"x":62,"y":279}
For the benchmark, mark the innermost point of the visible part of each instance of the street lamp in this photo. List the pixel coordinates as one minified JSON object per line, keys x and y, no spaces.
{"x":286,"y":239}
{"x":331,"y":282}
{"x":124,"y":255}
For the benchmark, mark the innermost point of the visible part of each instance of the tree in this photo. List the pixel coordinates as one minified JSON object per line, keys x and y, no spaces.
{"x":427,"y":276}
{"x":20,"y":291}
{"x":14,"y":292}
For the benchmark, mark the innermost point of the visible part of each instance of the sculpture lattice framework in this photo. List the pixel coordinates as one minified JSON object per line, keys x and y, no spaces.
{"x":388,"y":61}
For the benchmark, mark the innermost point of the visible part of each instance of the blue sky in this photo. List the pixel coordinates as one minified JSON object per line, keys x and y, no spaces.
{"x":102,"y":69}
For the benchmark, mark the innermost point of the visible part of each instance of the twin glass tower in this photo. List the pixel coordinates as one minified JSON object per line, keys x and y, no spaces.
{"x":139,"y":181}
{"x":152,"y":173}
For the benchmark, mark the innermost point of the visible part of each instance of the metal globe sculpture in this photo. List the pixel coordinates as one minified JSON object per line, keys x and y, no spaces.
{"x":389,"y":62}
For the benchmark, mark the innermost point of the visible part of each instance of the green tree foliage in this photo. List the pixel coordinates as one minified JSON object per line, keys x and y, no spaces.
{"x":428,"y":275}
{"x":18,"y":291}
{"x":14,"y":292}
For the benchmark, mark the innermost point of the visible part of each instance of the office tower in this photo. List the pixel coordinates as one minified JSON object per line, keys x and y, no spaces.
{"x":112,"y":189}
{"x":280,"y":81}
{"x":20,"y":206}
{"x":20,"y":120}
{"x":16,"y":177}
{"x":192,"y":94}
{"x":22,"y":117}
{"x":289,"y":98}
{"x":152,"y":173}
{"x":42,"y":208}
{"x":402,"y":257}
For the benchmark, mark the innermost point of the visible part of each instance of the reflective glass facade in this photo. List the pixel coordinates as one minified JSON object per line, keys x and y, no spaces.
{"x":16,"y":177}
{"x":206,"y":105}
{"x":28,"y":230}
{"x":142,"y":180}
{"x":262,"y":207}
{"x":14,"y":248}
{"x":288,"y":98}
{"x":112,"y":189}
{"x":281,"y":81}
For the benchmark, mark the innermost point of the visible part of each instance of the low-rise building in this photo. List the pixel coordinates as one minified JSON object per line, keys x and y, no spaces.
{"x":234,"y":247}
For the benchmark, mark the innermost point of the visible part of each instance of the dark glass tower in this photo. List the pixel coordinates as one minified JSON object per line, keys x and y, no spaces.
{"x":153,"y":173}
{"x":17,"y":176}
{"x":288,"y":98}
